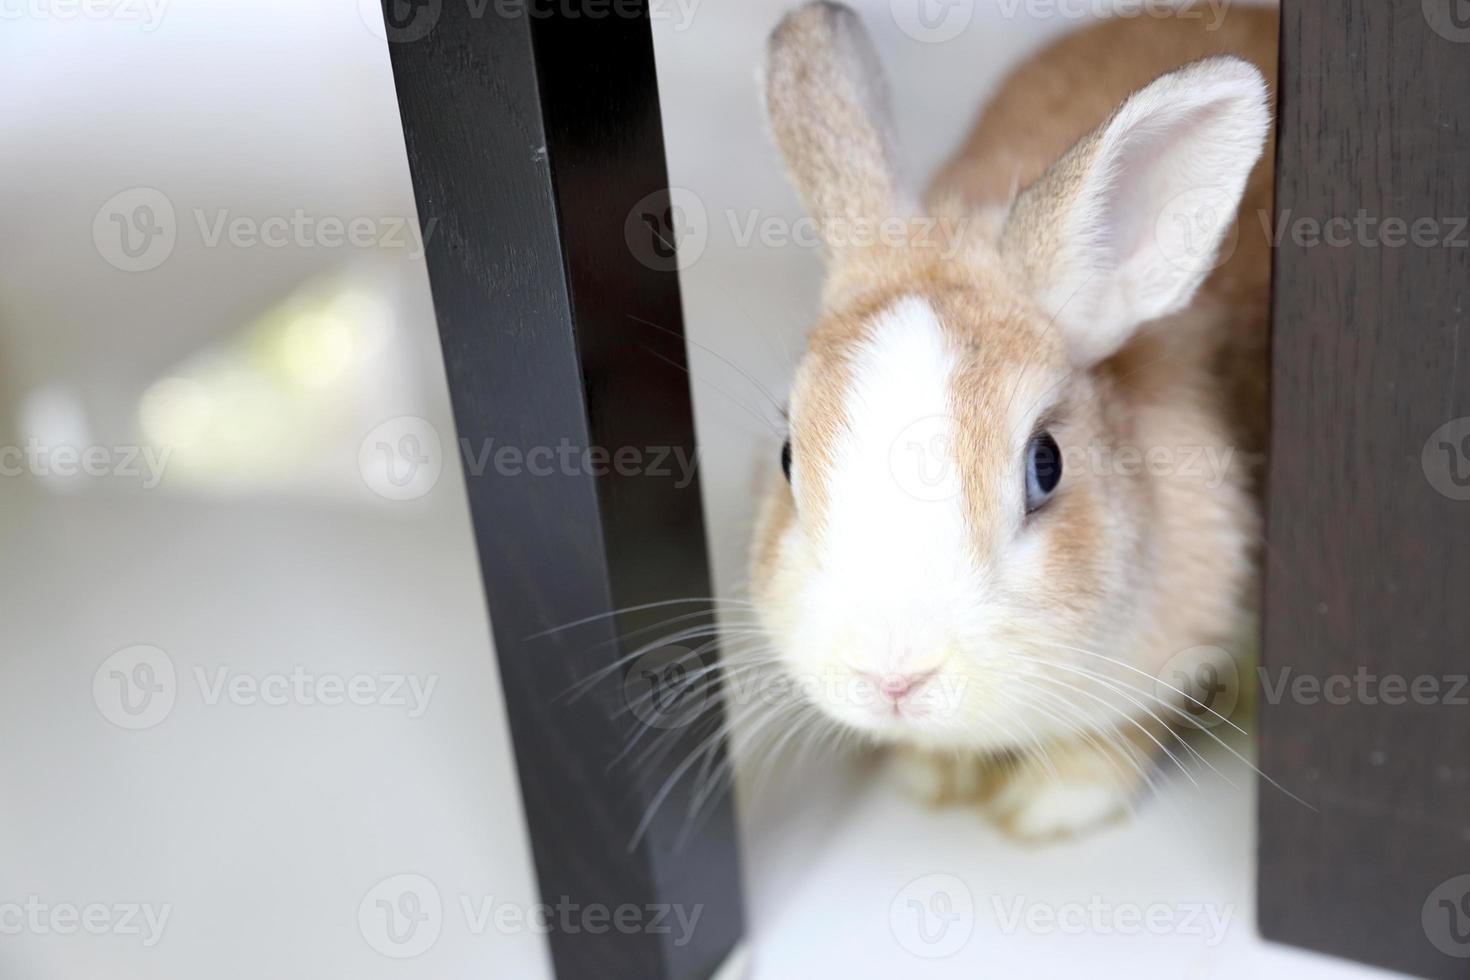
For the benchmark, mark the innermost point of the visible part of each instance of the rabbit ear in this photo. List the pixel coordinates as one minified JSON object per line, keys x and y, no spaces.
{"x":828,"y":106}
{"x":1126,"y":226}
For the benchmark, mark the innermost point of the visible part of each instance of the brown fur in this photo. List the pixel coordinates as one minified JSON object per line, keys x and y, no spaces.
{"x":1074,"y":85}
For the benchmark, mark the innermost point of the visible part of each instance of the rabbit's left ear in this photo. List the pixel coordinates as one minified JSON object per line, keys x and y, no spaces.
{"x":1128,"y":223}
{"x":828,"y":106}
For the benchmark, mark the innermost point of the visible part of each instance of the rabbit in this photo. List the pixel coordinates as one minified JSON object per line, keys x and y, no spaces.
{"x":957,"y":561}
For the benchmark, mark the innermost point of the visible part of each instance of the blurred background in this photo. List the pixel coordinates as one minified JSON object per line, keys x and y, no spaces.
{"x":211,"y":260}
{"x":248,"y":676}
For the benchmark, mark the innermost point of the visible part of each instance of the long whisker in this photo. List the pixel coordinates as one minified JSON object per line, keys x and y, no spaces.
{"x":747,"y":619}
{"x":669,"y":783}
{"x":1127,"y":717}
{"x":1040,"y":746}
{"x":1252,"y":766}
{"x":581,"y":687}
{"x":778,"y":430}
{"x":1116,"y":688}
{"x":781,"y":409}
{"x":1092,"y":736}
{"x":715,"y":683}
{"x":1146,"y":674}
{"x":714,"y":601}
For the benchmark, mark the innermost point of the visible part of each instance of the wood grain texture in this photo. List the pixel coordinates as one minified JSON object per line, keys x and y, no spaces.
{"x":1367,"y":568}
{"x":530,"y":141}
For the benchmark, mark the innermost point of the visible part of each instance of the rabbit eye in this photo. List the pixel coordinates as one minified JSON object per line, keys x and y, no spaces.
{"x":786,"y":460}
{"x":1043,"y":469}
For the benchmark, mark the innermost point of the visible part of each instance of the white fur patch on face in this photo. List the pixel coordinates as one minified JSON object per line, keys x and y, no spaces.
{"x":895,"y":552}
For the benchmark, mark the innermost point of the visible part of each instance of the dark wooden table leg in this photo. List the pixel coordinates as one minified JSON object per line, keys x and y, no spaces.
{"x":1368,"y":555}
{"x":532,"y":141}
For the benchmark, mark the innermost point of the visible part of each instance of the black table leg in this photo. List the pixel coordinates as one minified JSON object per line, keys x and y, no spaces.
{"x":1366,"y":713}
{"x":533,"y":131}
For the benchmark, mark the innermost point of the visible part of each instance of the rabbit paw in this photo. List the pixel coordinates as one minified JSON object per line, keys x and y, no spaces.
{"x":938,"y":779}
{"x":1070,"y":791}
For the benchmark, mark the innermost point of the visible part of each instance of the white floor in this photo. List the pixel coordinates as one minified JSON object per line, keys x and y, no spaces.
{"x":1168,"y":894}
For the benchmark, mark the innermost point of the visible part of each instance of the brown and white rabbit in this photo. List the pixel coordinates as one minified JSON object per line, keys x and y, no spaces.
{"x":990,"y":540}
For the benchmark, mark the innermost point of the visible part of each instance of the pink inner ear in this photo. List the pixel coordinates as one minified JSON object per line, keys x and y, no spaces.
{"x":1145,"y":173}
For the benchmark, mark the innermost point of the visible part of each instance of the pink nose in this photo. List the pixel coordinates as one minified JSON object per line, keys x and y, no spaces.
{"x":896,"y":687}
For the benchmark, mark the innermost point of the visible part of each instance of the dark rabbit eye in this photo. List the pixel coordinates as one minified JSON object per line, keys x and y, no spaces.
{"x":1043,"y":469}
{"x":786,"y":460}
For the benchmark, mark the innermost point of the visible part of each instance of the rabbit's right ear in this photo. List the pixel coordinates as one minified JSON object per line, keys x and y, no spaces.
{"x":1125,"y":227}
{"x":829,"y":111}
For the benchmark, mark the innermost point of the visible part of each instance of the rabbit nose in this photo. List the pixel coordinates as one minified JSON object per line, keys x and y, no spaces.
{"x":896,"y":687}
